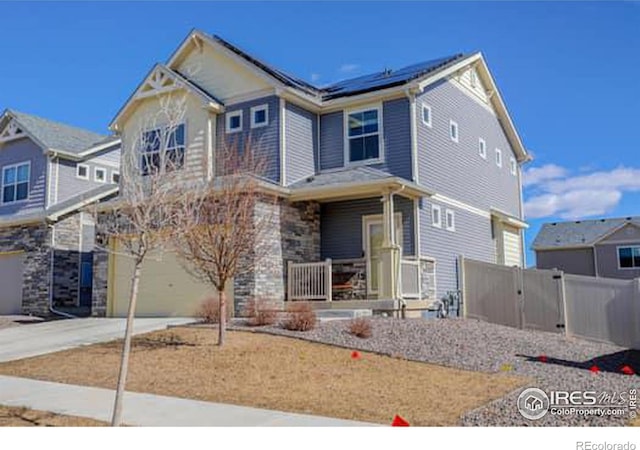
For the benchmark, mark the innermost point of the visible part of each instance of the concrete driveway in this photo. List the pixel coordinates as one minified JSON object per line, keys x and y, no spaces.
{"x":48,"y":337}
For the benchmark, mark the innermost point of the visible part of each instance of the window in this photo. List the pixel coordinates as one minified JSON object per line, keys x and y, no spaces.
{"x":260,"y":116}
{"x":513,"y":167}
{"x":453,"y":131}
{"x":82,"y":171}
{"x":15,"y":182}
{"x":234,"y":121}
{"x":498,"y":157}
{"x":363,"y":135}
{"x":100,"y":175}
{"x":115,"y":177}
{"x":426,"y":115}
{"x":629,"y":257}
{"x":436,"y":216}
{"x":482,"y":148}
{"x":473,"y":79}
{"x":450,"y":220}
{"x":162,"y":149}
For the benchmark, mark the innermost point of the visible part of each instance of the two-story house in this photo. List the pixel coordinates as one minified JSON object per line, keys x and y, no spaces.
{"x":48,"y":171}
{"x":391,"y":176}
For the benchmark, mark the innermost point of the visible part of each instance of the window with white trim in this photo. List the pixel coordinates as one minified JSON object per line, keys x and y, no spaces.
{"x":453,"y":131}
{"x":162,"y":149}
{"x":115,"y":177}
{"x":436,"y":216}
{"x":82,"y":171}
{"x":15,"y":182}
{"x":234,"y":121}
{"x":363,"y":135}
{"x":450,"y":220}
{"x":100,"y":175}
{"x":482,"y":148}
{"x":426,"y":115}
{"x":629,"y":257}
{"x":513,"y":167}
{"x":498,"y":157}
{"x":259,"y":116}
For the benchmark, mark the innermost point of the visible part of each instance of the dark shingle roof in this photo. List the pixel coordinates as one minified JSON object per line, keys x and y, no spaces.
{"x":578,"y":233}
{"x":349,"y":175}
{"x":100,"y":192}
{"x":353,"y":86}
{"x":56,"y":135}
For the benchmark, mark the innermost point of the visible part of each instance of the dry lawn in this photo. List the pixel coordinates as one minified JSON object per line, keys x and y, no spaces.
{"x":277,"y":373}
{"x":23,"y":417}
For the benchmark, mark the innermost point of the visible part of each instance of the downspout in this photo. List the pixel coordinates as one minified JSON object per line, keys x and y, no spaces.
{"x":51,"y":265}
{"x":401,"y":301}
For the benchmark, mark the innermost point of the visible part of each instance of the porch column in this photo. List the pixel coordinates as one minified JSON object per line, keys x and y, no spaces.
{"x":389,"y":253}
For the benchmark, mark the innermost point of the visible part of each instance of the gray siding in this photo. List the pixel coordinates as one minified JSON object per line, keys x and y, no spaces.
{"x":68,"y":182}
{"x":19,"y":151}
{"x":341,"y":226}
{"x":607,"y":256}
{"x":456,"y":169}
{"x":628,"y":233}
{"x":578,"y":261}
{"x":471,"y":238}
{"x":396,"y":128}
{"x":264,"y":140}
{"x":301,"y":141}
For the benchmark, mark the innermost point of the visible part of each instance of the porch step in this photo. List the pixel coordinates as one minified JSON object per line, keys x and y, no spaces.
{"x":342,"y":314}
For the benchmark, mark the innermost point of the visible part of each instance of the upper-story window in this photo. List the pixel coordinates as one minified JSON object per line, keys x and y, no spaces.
{"x":482,"y":148}
{"x":363,"y":135}
{"x":82,"y":171}
{"x":115,"y":177}
{"x":513,"y":167}
{"x":426,"y":115}
{"x":453,"y":131}
{"x":100,"y":175}
{"x":498,"y":157}
{"x":163,"y":149}
{"x":234,"y":121}
{"x":259,"y":116}
{"x":436,"y":216}
{"x":629,"y":257}
{"x":15,"y":182}
{"x":450,"y":220}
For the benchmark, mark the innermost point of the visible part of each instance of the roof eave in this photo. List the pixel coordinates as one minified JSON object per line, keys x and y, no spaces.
{"x":359,"y":189}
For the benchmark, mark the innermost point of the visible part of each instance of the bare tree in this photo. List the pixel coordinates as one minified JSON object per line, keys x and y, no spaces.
{"x":224,"y":223}
{"x":138,"y":223}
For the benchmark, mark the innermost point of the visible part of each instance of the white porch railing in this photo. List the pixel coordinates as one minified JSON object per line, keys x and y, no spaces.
{"x":409,"y":278}
{"x":309,"y":281}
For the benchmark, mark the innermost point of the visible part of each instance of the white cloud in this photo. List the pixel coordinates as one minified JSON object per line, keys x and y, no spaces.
{"x":348,"y":68}
{"x":315,"y":77}
{"x":537,"y":175}
{"x":554,"y":192}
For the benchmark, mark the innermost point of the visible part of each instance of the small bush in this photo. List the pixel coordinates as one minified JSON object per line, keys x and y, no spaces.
{"x":260,"y":313}
{"x":209,"y":310}
{"x":300,"y":317}
{"x":360,"y":327}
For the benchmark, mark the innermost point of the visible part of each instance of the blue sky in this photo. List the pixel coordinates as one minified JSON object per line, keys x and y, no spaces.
{"x":569,"y":72}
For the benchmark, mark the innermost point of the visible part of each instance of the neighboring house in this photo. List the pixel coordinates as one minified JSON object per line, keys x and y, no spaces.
{"x":48,"y":171}
{"x":607,"y":248}
{"x":419,"y":165}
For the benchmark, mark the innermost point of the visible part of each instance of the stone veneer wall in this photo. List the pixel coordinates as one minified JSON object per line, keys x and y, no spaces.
{"x":294,"y":235}
{"x":100,"y":276}
{"x":66,"y":265}
{"x":34,"y":240}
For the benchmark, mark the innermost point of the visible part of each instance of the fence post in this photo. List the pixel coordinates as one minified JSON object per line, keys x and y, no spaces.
{"x":463,"y":295}
{"x":328,"y":279}
{"x":289,"y":280}
{"x":636,"y":313}
{"x":563,"y":298}
{"x":519,"y":272}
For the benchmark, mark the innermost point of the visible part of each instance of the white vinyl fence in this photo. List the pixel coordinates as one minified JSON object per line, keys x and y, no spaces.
{"x":598,"y":309}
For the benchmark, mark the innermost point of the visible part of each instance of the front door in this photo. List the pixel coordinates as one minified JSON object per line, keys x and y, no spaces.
{"x":373,"y":239}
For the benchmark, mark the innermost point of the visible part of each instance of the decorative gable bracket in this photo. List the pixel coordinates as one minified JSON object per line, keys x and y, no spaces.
{"x":11,"y":131}
{"x":158,"y":82}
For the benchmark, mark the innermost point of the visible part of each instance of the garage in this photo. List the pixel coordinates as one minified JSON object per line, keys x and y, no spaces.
{"x":11,"y":273}
{"x":166,"y":289}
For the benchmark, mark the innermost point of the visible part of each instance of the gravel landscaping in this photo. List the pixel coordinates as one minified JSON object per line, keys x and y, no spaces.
{"x":480,"y":346}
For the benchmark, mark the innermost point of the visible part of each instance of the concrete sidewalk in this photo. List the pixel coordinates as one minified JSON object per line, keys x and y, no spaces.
{"x":25,"y":341}
{"x":148,"y":409}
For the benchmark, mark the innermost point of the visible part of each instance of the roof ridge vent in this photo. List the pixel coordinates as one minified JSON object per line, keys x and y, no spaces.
{"x":386,"y":72}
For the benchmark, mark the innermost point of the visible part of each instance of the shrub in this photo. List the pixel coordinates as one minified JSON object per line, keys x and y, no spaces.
{"x":209,"y":310}
{"x":260,"y":313}
{"x":300,"y":317}
{"x":360,"y":327}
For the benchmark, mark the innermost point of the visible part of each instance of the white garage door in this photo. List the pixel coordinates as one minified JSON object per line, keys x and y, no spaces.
{"x":166,"y":289}
{"x":11,"y":272}
{"x":512,"y":247}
